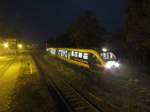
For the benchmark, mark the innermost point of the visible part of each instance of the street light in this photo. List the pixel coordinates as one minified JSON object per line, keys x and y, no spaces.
{"x":20,"y":46}
{"x":5,"y":45}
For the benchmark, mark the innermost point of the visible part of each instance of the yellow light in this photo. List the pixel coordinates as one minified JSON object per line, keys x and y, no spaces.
{"x":20,"y":46}
{"x":5,"y":45}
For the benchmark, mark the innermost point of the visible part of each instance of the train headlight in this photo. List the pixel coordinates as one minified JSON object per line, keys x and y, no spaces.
{"x":112,"y":64}
{"x":117,"y":64}
{"x":104,"y":49}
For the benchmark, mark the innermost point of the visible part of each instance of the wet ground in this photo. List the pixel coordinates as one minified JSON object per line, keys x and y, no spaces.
{"x":31,"y":95}
{"x":9,"y":71}
{"x":21,"y":87}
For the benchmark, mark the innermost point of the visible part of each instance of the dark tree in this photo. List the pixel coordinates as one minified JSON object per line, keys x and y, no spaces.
{"x":11,"y":26}
{"x":138,"y":24}
{"x":86,"y":31}
{"x":138,"y":29}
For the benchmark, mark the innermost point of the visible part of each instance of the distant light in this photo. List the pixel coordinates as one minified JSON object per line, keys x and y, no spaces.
{"x":20,"y":46}
{"x":104,"y":49}
{"x":5,"y":45}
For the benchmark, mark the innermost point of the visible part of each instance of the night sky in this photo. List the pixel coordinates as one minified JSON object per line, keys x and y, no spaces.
{"x":40,"y":19}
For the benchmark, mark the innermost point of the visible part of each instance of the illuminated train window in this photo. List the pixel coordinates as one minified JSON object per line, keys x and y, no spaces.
{"x":69,"y":55}
{"x":108,"y":56}
{"x":80,"y":55}
{"x":65,"y":53}
{"x":47,"y":49}
{"x":72,"y":53}
{"x":76,"y":54}
{"x":85,"y":56}
{"x":53,"y":51}
{"x":62,"y":53}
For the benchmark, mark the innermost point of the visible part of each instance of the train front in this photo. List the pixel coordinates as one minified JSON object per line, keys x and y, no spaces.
{"x":110,"y":59}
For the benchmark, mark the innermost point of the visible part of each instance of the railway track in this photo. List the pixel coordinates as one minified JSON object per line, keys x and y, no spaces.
{"x":6,"y":66}
{"x":65,"y":95}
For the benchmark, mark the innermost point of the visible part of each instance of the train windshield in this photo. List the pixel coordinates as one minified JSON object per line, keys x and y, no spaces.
{"x":108,"y":56}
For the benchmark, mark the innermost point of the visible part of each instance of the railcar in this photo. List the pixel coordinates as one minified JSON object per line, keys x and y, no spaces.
{"x":89,"y":58}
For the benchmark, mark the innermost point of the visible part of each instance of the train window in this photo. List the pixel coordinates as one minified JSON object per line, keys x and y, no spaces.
{"x":108,"y":56}
{"x":85,"y":56}
{"x":59,"y":53}
{"x":53,"y":51}
{"x":62,"y":53}
{"x":72,"y":53}
{"x":65,"y":53}
{"x":69,"y":55}
{"x":80,"y":55}
{"x":76,"y":54}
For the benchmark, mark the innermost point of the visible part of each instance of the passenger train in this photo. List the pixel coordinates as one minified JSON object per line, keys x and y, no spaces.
{"x":89,"y":58}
